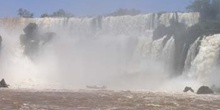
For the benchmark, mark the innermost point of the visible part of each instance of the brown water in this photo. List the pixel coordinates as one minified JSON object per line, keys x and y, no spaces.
{"x":105,"y":100}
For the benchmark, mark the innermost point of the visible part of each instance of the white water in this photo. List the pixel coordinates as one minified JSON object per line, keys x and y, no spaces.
{"x":157,"y":47}
{"x":191,"y":54}
{"x":204,"y":68}
{"x":113,"y":51}
{"x":168,"y":54}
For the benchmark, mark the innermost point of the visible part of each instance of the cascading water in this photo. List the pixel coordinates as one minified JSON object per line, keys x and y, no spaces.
{"x":168,"y":53}
{"x":112,"y":51}
{"x":156,"y":48}
{"x":191,"y":54}
{"x":204,"y":68}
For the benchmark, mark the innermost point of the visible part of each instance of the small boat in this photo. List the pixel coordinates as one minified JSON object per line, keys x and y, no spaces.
{"x":96,"y":87}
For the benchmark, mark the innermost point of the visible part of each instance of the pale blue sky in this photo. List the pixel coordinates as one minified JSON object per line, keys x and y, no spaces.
{"x":9,"y":8}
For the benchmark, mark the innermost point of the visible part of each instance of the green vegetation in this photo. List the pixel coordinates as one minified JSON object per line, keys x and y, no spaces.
{"x":208,"y":9}
{"x":25,"y":13}
{"x":59,"y":13}
{"x":121,"y":12}
{"x":45,"y":15}
{"x":209,"y":23}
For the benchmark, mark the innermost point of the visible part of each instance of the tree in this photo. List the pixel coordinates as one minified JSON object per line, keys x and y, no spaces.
{"x":198,"y":5}
{"x":208,"y":9}
{"x":44,"y":15}
{"x":61,"y":13}
{"x":25,"y":13}
{"x":121,"y":12}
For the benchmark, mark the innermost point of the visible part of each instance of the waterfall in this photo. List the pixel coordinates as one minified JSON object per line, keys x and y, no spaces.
{"x":205,"y":63}
{"x":157,"y":47}
{"x":191,"y":54}
{"x":168,"y":54}
{"x":92,"y":50}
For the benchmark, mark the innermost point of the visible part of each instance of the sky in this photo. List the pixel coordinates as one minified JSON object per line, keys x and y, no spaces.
{"x":9,"y":8}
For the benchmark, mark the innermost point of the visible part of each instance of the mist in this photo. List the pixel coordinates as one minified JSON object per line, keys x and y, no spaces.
{"x":117,"y":52}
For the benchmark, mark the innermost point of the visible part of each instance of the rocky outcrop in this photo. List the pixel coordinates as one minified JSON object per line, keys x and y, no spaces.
{"x":30,"y":39}
{"x":33,"y":39}
{"x":205,"y":90}
{"x":3,"y":84}
{"x":188,"y":89}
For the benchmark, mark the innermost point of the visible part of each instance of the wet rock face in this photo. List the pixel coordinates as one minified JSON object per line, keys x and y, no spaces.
{"x":188,"y":89}
{"x":205,"y":90}
{"x":31,"y":29}
{"x":33,"y":39}
{"x":30,"y":40}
